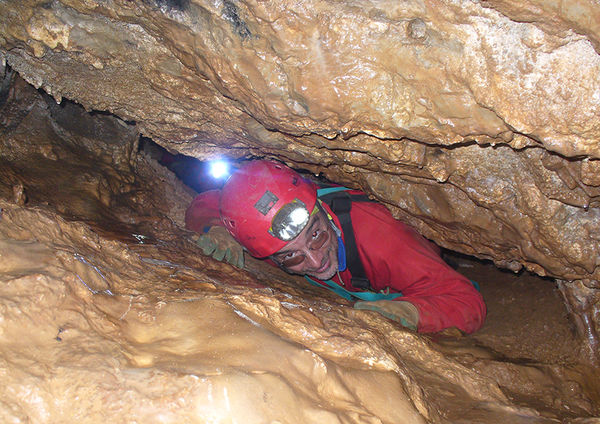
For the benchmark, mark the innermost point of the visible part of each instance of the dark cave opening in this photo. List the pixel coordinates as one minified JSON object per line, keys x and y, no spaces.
{"x":194,"y":173}
{"x":201,"y":175}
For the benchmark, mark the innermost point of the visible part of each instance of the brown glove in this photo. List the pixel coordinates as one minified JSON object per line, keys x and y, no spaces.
{"x":219,"y":244}
{"x":405,"y":313}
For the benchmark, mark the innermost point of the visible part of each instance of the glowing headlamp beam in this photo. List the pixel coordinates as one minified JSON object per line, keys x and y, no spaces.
{"x":219,"y":169}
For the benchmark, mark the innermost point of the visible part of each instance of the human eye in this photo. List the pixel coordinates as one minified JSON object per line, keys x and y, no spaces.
{"x":317,"y":230}
{"x":292,"y":259}
{"x":319,"y":238}
{"x":285,"y":256}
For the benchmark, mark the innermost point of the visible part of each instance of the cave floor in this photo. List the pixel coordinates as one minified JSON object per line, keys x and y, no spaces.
{"x":527,"y":318}
{"x":529,"y":331}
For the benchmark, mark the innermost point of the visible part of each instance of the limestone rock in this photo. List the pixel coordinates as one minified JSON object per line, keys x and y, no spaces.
{"x":376,"y":86}
{"x":111,"y":313}
{"x":475,"y":121}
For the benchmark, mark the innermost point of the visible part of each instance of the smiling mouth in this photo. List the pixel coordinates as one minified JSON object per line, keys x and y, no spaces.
{"x":324,"y":266}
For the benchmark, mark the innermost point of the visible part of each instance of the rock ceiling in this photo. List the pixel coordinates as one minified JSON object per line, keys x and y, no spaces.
{"x":475,"y":121}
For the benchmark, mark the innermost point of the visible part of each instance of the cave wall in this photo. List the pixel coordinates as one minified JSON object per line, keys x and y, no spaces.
{"x":111,"y":313}
{"x":476,"y":122}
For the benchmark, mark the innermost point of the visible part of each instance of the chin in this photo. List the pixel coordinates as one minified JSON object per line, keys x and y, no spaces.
{"x":328,"y":273}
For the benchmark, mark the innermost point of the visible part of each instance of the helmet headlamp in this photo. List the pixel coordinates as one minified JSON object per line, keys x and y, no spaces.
{"x":254,"y":194}
{"x":290,"y":220}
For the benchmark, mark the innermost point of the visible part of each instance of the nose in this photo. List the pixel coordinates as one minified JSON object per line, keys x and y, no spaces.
{"x":313,"y":258}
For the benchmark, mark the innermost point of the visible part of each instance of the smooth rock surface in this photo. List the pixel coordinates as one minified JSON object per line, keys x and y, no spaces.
{"x":476,"y":121}
{"x":110,"y":313}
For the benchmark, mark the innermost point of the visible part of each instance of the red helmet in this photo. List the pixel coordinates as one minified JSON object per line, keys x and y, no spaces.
{"x":265,"y":204}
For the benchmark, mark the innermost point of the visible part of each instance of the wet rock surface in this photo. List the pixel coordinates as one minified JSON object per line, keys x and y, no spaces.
{"x":109,"y":312}
{"x":475,"y":121}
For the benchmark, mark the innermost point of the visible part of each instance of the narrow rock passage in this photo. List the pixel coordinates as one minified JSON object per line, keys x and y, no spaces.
{"x":110,"y":313}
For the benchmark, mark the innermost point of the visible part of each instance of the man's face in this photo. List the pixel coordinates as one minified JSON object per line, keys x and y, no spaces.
{"x":313,"y":252}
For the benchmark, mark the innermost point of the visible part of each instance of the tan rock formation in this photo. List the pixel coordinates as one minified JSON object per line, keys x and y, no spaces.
{"x":476,"y":122}
{"x":363,"y":93}
{"x":109,"y":313}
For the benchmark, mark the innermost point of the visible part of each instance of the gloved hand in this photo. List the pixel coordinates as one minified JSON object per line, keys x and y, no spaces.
{"x":405,"y":313}
{"x":219,"y":244}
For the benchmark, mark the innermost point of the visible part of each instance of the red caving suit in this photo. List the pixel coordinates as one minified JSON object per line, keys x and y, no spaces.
{"x":394,"y":256}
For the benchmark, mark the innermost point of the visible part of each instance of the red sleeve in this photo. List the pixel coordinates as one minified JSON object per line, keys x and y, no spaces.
{"x":396,"y":256}
{"x":203,"y":211}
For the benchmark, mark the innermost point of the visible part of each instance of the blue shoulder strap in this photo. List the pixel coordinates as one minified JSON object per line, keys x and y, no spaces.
{"x":368,"y":296}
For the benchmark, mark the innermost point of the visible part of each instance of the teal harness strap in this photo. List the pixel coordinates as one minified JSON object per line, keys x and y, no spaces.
{"x":328,"y":190}
{"x":368,"y":296}
{"x":352,"y":296}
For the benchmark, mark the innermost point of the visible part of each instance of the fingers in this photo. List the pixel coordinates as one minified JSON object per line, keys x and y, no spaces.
{"x":372,"y":306}
{"x":393,"y":310}
{"x":232,"y":255}
{"x":228,"y":256}
{"x":235,"y":257}
{"x":219,"y":253}
{"x":206,"y":244}
{"x":228,"y":250}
